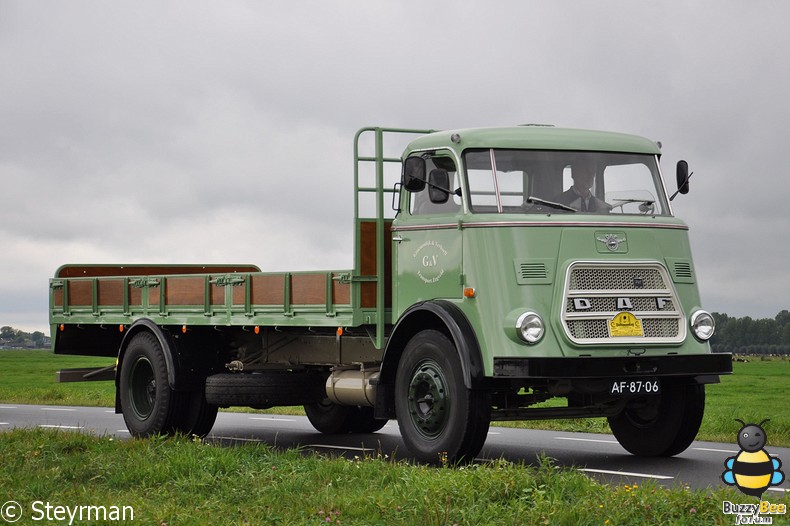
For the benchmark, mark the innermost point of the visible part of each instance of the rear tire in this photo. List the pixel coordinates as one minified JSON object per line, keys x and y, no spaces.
{"x":664,"y":426}
{"x":197,"y":416}
{"x":148,"y":403}
{"x":441,"y":421}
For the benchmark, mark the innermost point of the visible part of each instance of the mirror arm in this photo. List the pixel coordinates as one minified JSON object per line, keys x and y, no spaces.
{"x":685,"y":182}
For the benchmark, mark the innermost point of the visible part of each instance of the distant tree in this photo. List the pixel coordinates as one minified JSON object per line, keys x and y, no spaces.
{"x":7,"y":333}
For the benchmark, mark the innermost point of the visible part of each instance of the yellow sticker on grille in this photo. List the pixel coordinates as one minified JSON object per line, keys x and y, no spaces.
{"x":625,"y":324}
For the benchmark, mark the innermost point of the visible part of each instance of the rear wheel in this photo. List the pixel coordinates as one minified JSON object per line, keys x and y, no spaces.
{"x":663,"y":425}
{"x":148,"y":403}
{"x":439,"y":418}
{"x":196,"y":416}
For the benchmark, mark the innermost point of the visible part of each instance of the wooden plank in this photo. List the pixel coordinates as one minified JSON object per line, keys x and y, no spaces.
{"x":341,"y":293}
{"x":367,"y":248}
{"x":308,"y":289}
{"x":267,"y":289}
{"x":84,"y":271}
{"x":182,"y":291}
{"x":80,"y":293}
{"x":110,"y":292}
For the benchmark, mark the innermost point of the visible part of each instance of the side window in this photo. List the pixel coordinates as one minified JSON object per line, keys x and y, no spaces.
{"x":420,"y":201}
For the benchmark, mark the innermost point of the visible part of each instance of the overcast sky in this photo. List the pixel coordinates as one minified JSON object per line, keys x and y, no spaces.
{"x":198,"y":131}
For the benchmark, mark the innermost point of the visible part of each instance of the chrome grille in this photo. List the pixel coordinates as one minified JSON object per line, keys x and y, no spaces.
{"x":595,"y":293}
{"x":615,"y":279}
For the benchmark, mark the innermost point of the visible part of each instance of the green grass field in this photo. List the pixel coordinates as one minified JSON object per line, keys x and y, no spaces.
{"x":181,"y":481}
{"x":756,"y":391}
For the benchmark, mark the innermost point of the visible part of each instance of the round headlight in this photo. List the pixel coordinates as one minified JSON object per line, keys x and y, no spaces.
{"x":703,"y":325}
{"x":530,"y":327}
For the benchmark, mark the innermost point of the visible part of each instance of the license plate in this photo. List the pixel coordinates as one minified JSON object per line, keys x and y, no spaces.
{"x":641,"y":386}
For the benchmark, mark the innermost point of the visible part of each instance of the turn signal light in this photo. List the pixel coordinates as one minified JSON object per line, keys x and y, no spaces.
{"x":469,"y":292}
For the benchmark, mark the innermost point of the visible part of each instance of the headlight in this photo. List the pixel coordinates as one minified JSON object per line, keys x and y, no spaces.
{"x":703,"y":325}
{"x":530,"y":327}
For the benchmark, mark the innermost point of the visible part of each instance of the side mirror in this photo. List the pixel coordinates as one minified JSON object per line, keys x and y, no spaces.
{"x":438,"y":186}
{"x":414,"y":174}
{"x":683,"y":177}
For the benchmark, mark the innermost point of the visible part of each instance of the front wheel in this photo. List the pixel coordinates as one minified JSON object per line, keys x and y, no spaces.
{"x":663,"y":425}
{"x":441,"y":421}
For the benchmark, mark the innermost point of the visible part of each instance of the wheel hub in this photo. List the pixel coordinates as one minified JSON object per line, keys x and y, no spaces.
{"x":428,"y":399}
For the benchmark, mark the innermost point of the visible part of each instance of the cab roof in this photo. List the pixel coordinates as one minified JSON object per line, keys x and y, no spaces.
{"x":535,"y":137}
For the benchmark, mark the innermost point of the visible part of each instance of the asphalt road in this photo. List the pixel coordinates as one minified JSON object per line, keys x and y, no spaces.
{"x":600,"y":456}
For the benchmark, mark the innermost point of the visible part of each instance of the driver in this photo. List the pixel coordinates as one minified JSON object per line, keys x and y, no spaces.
{"x":579,"y":196}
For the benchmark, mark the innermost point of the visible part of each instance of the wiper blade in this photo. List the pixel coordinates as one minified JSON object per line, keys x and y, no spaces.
{"x":559,"y":206}
{"x":645,"y":205}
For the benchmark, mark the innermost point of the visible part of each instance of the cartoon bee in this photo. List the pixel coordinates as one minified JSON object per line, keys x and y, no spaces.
{"x":752,"y":470}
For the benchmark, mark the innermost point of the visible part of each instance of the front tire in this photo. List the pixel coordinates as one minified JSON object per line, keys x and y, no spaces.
{"x":148,"y":403}
{"x":665,"y":425}
{"x":441,"y":421}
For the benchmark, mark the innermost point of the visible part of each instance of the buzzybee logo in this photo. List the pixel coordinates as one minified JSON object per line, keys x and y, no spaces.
{"x":752,"y":470}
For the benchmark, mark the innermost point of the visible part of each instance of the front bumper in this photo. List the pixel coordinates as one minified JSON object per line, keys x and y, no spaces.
{"x":696,"y":365}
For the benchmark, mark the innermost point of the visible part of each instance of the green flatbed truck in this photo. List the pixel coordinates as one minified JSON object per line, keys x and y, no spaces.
{"x":517,"y":265}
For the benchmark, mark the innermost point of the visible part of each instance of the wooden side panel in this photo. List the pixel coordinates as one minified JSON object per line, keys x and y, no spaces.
{"x":183,"y":291}
{"x":308,"y":289}
{"x":268,"y":289}
{"x":136,"y":296}
{"x":341,"y":293}
{"x":367,"y":249}
{"x":81,"y":293}
{"x":57,"y":297}
{"x":110,"y":292}
{"x":217,"y":295}
{"x":238,"y":295}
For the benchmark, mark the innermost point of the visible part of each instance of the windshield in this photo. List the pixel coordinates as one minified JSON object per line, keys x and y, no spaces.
{"x":541,"y":182}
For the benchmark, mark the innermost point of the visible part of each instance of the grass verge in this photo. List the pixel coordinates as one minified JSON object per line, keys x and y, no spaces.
{"x":181,"y":481}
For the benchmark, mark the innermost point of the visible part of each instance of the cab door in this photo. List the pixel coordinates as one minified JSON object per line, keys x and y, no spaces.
{"x":427,"y":240}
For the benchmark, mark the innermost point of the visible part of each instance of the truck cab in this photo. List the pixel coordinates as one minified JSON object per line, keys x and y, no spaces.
{"x":558,"y":251}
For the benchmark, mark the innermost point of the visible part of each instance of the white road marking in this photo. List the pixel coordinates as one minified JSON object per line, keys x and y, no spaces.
{"x":272,"y":418}
{"x":58,"y":409}
{"x":349,"y":448}
{"x":8,"y":407}
{"x":780,"y":490}
{"x":60,"y":427}
{"x":588,"y":440}
{"x":714,"y":450}
{"x":627,"y":474}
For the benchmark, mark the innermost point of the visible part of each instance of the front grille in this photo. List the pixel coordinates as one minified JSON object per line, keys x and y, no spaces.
{"x":615,"y":279}
{"x":597,"y":293}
